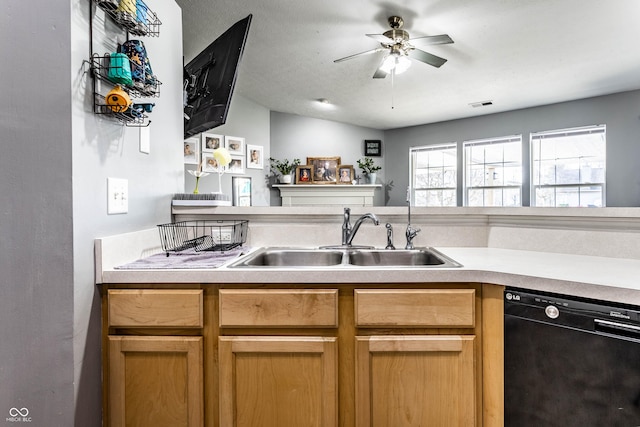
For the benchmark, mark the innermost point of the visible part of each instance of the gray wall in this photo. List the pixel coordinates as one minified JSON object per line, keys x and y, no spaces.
{"x":300,"y":137}
{"x":53,"y":185}
{"x":620,"y":112}
{"x":248,"y":120}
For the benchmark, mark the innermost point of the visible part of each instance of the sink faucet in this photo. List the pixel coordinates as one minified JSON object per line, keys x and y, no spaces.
{"x":348,"y":232}
{"x":411,"y":232}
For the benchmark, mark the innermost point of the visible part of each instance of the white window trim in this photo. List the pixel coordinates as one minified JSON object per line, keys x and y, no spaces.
{"x":583,"y":130}
{"x":422,"y":148}
{"x":487,"y":141}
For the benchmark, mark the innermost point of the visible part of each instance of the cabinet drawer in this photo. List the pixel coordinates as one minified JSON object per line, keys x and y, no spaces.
{"x":437,"y":308}
{"x":280,"y":308}
{"x":153,"y":308}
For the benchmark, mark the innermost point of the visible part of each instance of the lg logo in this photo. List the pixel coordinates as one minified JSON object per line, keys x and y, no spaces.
{"x":19,"y":415}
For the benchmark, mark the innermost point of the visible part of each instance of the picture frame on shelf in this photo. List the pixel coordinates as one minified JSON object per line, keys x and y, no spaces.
{"x":325,"y":169}
{"x":304,"y":174}
{"x":346,"y":174}
{"x":209,"y":163}
{"x":372,"y":147}
{"x":210,"y":141}
{"x":255,"y":157}
{"x":234,"y":144}
{"x":237,"y":165}
{"x":191,"y":151}
{"x":241,"y":190}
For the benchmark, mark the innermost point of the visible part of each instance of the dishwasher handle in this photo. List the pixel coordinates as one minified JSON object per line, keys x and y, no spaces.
{"x":616,"y":328}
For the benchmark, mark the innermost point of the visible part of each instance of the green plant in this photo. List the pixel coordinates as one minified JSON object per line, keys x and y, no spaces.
{"x":367,"y":165}
{"x":284,"y":167}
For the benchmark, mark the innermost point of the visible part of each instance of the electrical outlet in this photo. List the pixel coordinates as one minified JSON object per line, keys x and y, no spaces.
{"x":117,"y":196}
{"x":225,"y":237}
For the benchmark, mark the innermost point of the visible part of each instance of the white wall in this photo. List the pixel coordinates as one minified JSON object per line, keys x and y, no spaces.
{"x":618,"y":111}
{"x":300,"y":137}
{"x":248,"y":120}
{"x":53,"y":173}
{"x":103,"y":148}
{"x":36,"y":286}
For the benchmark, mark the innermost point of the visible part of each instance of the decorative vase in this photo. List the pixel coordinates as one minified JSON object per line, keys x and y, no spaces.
{"x":370,"y":178}
{"x":285,"y":179}
{"x":195,"y":191}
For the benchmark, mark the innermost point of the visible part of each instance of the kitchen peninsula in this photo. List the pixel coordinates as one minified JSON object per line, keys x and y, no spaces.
{"x":339,"y":328}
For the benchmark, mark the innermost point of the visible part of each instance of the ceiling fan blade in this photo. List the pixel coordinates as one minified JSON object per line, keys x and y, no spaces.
{"x":380,"y":49}
{"x":379,"y":74}
{"x":380,"y":38}
{"x":427,"y":58}
{"x":430,"y":40}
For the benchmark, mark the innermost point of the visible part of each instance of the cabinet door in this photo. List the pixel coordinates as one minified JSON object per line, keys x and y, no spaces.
{"x":411,"y":381}
{"x":155,"y":381}
{"x":278,"y":381}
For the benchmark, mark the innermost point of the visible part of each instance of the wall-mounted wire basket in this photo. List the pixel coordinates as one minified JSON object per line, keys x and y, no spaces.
{"x":204,"y":235}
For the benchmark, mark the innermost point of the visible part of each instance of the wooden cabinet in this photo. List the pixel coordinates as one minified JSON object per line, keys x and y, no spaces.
{"x":350,"y":355}
{"x":153,"y":369}
{"x":278,"y":381}
{"x":155,"y":381}
{"x":272,"y":379}
{"x":416,"y":379}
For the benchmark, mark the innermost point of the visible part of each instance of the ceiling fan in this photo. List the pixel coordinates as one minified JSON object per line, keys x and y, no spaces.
{"x":400,"y":48}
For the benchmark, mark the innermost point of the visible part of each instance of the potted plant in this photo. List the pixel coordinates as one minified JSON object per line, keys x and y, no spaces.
{"x":369,"y":169}
{"x":284,"y":167}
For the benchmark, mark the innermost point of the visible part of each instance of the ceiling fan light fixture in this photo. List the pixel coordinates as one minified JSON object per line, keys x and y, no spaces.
{"x":398,"y":63}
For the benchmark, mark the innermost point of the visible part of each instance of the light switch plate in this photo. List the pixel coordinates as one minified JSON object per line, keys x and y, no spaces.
{"x":117,"y":196}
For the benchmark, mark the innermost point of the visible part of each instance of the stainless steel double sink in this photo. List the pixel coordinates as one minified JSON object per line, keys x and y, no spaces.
{"x":344,"y":257}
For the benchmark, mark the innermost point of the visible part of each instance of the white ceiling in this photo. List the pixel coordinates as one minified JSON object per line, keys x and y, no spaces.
{"x":517,"y":54}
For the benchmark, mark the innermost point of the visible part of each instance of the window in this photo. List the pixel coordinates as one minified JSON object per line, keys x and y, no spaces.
{"x":493,"y":171}
{"x":433,"y":175}
{"x":568,"y":167}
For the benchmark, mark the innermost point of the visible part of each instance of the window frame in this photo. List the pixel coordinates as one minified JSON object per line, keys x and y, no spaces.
{"x":557,"y":133}
{"x":466,"y":188}
{"x":413,"y":167}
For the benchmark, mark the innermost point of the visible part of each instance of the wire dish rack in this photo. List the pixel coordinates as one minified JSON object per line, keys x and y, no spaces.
{"x":204,"y":235}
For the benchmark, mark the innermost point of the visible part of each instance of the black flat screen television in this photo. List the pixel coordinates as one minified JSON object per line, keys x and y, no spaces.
{"x":210,"y":79}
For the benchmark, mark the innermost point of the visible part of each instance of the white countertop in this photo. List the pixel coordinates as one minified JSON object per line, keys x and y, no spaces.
{"x":611,"y":279}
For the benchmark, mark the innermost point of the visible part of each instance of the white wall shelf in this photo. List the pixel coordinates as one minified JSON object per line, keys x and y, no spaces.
{"x":327,"y":194}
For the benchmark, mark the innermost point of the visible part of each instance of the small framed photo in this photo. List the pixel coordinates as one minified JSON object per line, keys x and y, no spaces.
{"x":237,"y":165}
{"x":372,"y":147}
{"x":234,"y":144}
{"x":304,"y":174}
{"x":241,"y":190}
{"x":255,"y":157}
{"x":209,"y":163}
{"x":192,"y":151}
{"x":325,"y":169}
{"x":345,"y":174}
{"x":210,"y":142}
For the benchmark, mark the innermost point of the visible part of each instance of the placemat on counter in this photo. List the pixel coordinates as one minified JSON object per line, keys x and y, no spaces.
{"x":188,"y":259}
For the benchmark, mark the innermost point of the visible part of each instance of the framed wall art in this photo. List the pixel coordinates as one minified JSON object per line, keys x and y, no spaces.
{"x":372,"y":147}
{"x":234,"y":144}
{"x":346,"y":174}
{"x":255,"y":157}
{"x":304,"y":174}
{"x":210,"y":142}
{"x":237,"y":165}
{"x":209,"y":163}
{"x":191,"y":151}
{"x":325,"y":169}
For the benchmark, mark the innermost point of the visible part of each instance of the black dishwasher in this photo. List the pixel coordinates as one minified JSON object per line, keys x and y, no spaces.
{"x":570,"y":362}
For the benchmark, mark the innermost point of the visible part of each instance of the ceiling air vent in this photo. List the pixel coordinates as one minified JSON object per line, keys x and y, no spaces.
{"x":481,"y":104}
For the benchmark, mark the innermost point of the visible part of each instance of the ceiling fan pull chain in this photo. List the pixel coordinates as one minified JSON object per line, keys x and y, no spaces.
{"x":393,"y":73}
